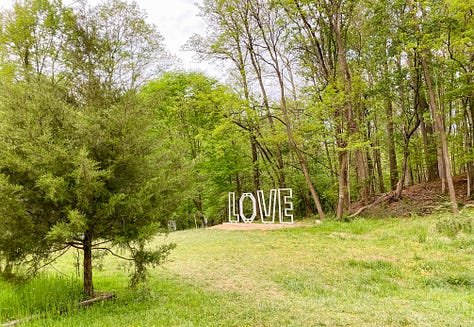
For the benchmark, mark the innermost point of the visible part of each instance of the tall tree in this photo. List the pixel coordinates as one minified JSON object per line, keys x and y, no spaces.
{"x":80,"y":157}
{"x":436,"y":112}
{"x":271,"y":34}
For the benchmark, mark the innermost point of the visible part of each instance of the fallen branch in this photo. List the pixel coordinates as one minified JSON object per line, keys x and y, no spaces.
{"x":101,"y":297}
{"x":385,"y":197}
{"x":20,"y":321}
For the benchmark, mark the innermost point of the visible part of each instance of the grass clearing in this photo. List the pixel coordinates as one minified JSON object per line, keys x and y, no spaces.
{"x":394,"y":272}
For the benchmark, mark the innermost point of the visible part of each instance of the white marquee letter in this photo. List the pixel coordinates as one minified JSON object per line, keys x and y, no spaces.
{"x":264,"y":214}
{"x":232,"y":208}
{"x":287,"y":207}
{"x":254,"y":207}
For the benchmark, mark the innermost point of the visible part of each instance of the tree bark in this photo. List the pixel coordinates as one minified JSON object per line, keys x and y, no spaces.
{"x":343,"y":194}
{"x":99,"y":298}
{"x":431,"y":156}
{"x":470,"y":143}
{"x":329,"y":158}
{"x":407,"y":134}
{"x":378,"y":167}
{"x":442,"y":135}
{"x":302,"y":160}
{"x":392,"y":155}
{"x":87,"y":250}
{"x":271,"y":45}
{"x":255,"y":169}
{"x":258,"y":72}
{"x":399,"y":189}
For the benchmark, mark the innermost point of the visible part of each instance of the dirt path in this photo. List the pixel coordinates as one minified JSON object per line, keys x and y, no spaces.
{"x":256,"y":226}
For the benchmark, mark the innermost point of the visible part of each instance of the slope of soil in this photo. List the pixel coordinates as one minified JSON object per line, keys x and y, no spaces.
{"x":421,"y":199}
{"x":417,"y":199}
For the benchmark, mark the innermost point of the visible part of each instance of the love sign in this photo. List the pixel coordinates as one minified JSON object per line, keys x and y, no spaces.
{"x":279,"y":203}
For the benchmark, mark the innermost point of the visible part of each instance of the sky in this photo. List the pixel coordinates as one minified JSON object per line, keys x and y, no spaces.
{"x":176,"y":20}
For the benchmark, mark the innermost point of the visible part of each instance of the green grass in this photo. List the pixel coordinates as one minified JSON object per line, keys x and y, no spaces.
{"x":363,"y":273}
{"x":46,"y":294}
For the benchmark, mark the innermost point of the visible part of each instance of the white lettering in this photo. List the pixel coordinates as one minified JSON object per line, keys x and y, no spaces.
{"x":281,"y":197}
{"x":232,"y":209}
{"x":287,"y":205}
{"x":254,"y":207}
{"x":264,"y":213}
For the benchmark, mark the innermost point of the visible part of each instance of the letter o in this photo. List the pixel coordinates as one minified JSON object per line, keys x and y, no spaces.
{"x":254,"y":207}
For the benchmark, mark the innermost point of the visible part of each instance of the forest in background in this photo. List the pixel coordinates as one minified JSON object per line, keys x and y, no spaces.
{"x":344,"y":100}
{"x":103,"y":139}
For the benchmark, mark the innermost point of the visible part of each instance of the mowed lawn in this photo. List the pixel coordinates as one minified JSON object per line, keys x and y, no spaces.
{"x":396,"y":272}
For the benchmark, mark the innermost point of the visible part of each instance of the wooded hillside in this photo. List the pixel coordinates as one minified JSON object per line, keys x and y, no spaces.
{"x":343,"y":100}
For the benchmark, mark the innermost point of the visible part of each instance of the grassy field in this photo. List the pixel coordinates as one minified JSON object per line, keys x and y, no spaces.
{"x":363,"y":273}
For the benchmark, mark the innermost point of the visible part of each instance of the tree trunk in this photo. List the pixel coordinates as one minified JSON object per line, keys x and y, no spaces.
{"x":441,"y":169}
{"x":302,"y":160}
{"x":271,"y":46}
{"x":408,"y":175}
{"x":421,"y":107}
{"x":345,"y":75}
{"x":343,"y":195}
{"x":401,"y":181}
{"x":198,"y":203}
{"x":470,"y":144}
{"x":392,"y":155}
{"x":87,"y":249}
{"x":429,"y":143}
{"x":8,"y":268}
{"x":240,"y":63}
{"x":258,"y":72}
{"x":348,"y":182}
{"x":237,"y":184}
{"x":329,"y":158}
{"x":378,"y":167}
{"x":374,"y":166}
{"x":407,"y":134}
{"x":442,"y":134}
{"x":256,"y":170}
{"x":306,"y":200}
{"x":469,"y":177}
{"x":371,"y":173}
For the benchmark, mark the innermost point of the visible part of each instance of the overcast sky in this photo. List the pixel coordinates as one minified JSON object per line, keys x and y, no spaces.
{"x":176,"y":20}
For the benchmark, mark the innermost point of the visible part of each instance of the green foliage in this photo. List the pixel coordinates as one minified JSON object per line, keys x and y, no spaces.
{"x":205,"y":145}
{"x":453,"y":225}
{"x":79,"y":162}
{"x":145,"y":258}
{"x":15,"y":226}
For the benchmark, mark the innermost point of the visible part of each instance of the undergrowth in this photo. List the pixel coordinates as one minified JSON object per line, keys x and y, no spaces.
{"x":453,"y":225}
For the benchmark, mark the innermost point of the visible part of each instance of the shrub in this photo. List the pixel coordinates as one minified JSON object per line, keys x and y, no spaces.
{"x":452,"y":225}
